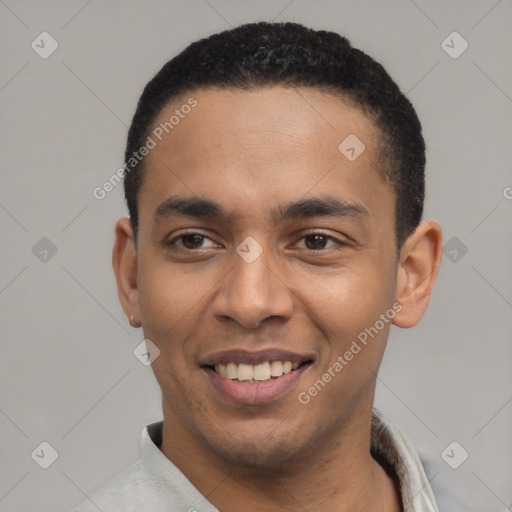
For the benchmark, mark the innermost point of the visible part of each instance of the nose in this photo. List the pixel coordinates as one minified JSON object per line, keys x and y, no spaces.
{"x":253,"y":292}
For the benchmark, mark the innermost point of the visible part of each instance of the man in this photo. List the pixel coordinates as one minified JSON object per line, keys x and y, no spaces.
{"x":275,"y":184}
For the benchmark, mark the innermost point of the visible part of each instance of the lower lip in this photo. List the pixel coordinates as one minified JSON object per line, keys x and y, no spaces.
{"x":252,"y":394}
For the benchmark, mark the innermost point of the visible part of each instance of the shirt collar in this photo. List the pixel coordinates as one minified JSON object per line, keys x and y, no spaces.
{"x":389,"y":447}
{"x":397,"y":455}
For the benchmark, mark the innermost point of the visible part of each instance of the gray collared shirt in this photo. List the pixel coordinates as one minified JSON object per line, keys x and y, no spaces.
{"x":155,"y":484}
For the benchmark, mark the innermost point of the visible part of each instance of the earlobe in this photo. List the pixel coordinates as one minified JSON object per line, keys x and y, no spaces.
{"x":420,"y":259}
{"x":124,"y":262}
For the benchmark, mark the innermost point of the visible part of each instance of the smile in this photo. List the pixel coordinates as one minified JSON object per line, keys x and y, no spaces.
{"x":250,"y":374}
{"x":251,"y":378}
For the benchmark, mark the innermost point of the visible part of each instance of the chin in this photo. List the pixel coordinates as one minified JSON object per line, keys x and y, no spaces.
{"x":253,"y":457}
{"x":263,"y":451}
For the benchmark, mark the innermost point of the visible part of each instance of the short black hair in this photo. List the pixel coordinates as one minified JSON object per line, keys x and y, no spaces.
{"x":291,"y":55}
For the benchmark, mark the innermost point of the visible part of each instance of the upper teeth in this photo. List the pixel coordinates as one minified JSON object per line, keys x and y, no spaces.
{"x":262,"y":371}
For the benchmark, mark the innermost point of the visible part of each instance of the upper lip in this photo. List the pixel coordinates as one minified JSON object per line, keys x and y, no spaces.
{"x":253,"y":357}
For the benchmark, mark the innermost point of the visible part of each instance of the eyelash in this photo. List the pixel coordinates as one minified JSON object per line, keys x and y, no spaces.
{"x":339,"y":243}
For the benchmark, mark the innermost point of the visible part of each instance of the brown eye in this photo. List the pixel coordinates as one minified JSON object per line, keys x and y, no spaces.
{"x":315,"y":242}
{"x":193,"y":241}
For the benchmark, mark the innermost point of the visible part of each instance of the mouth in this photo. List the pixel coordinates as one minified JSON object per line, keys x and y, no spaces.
{"x":256,"y":373}
{"x":255,"y":377}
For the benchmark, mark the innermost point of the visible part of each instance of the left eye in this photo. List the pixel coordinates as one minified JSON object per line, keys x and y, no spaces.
{"x":192,"y":241}
{"x":318,"y":241}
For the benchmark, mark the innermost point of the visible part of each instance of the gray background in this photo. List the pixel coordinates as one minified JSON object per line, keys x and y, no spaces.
{"x":68,"y":375}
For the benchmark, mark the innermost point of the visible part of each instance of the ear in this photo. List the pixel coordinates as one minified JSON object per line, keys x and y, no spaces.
{"x":124,"y":261}
{"x":420,"y":259}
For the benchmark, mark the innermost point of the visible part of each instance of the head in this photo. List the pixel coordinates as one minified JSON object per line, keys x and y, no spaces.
{"x":258,"y":235}
{"x":290,"y":55}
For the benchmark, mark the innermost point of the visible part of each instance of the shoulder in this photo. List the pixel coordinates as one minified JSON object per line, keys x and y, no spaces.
{"x":153,"y":483}
{"x":129,"y":490}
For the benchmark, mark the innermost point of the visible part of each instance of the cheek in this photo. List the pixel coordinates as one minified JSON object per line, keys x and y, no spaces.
{"x":344,"y":309}
{"x":344,"y":303}
{"x":170,"y":301}
{"x":344,"y":312}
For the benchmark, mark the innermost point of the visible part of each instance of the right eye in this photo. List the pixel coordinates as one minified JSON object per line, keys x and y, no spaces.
{"x":190,"y":241}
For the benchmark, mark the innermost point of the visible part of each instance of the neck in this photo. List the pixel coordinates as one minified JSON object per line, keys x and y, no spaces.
{"x":339,"y":475}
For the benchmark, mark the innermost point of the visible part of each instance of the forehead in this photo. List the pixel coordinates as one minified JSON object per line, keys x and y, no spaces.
{"x":263,"y":145}
{"x":280,"y":117}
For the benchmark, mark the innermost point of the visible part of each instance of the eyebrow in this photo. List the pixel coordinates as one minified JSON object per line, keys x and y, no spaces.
{"x":323,"y":206}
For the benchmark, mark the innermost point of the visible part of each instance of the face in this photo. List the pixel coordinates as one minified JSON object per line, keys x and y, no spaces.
{"x":263,"y":255}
